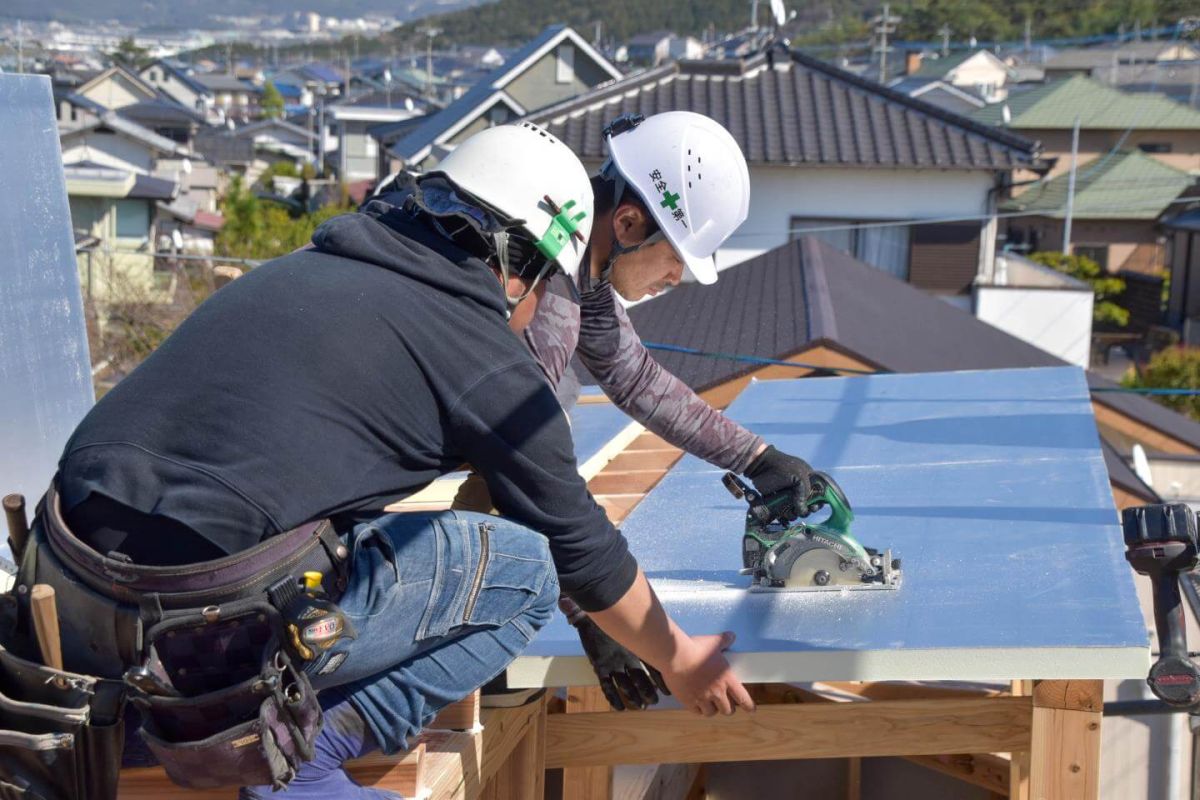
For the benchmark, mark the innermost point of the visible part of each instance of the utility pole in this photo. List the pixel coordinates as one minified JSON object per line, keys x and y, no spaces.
{"x":885,"y":24}
{"x":430,"y":34}
{"x":754,"y":14}
{"x":945,"y":32}
{"x":229,"y":57}
{"x":1028,"y":33}
{"x":1066,"y":247}
{"x":20,"y":48}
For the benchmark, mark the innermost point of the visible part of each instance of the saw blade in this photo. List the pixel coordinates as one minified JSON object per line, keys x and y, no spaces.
{"x":819,"y":566}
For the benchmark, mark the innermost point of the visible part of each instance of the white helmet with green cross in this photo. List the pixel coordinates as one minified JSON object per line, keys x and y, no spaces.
{"x":528,"y":175}
{"x":692,"y":176}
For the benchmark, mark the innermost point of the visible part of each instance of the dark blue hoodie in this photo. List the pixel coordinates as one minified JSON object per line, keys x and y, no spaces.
{"x":334,"y":381}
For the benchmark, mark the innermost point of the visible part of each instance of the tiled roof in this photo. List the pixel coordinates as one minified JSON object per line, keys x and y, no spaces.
{"x":148,"y":187}
{"x":797,"y":110}
{"x":153,"y":113}
{"x":1097,"y":105}
{"x":1125,"y":185}
{"x":807,"y":293}
{"x":112,"y":121}
{"x":221,"y":82}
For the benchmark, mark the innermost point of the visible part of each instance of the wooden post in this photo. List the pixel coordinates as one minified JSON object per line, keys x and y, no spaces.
{"x":1064,"y":758}
{"x":523,"y":774}
{"x":460,"y":716}
{"x":1018,"y":771}
{"x":853,"y":779}
{"x":586,"y":783}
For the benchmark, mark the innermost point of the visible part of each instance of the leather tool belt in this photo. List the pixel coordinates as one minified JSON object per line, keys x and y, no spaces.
{"x":201,"y":649}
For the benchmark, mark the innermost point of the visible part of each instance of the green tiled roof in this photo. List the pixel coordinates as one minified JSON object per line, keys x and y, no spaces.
{"x":1097,"y":105}
{"x":1125,"y":185}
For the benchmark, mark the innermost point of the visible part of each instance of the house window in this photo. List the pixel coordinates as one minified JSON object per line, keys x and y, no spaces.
{"x":153,"y":76}
{"x":1155,"y":147}
{"x":133,"y":219}
{"x":498,"y":115}
{"x":885,"y":247}
{"x":565,"y":68}
{"x":1096,"y":252}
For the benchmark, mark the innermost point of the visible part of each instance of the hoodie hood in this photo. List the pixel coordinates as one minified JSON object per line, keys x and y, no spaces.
{"x":390,"y":237}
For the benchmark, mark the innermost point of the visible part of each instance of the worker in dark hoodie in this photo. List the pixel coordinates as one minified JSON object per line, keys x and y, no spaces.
{"x":334,"y":381}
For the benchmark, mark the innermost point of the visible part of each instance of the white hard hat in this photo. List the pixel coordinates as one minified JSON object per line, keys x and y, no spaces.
{"x":693,"y":178}
{"x":526,"y":174}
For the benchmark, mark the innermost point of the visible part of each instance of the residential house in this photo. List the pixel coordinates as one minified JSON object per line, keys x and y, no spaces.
{"x":1178,"y":80}
{"x":683,"y":48}
{"x":1097,"y":61}
{"x":167,"y":118}
{"x":1120,"y":199}
{"x":277,"y":139}
{"x":979,"y":71}
{"x":556,"y":65}
{"x":1108,"y":118}
{"x":314,"y":79}
{"x":234,"y":98}
{"x":180,"y":85}
{"x":117,"y":208}
{"x":649,"y":49}
{"x":939,"y":93}
{"x":74,"y":110}
{"x":1183,"y":305}
{"x":118,"y":172}
{"x":830,"y":153}
{"x":357,"y":152}
{"x":229,"y":153}
{"x":116,"y":87}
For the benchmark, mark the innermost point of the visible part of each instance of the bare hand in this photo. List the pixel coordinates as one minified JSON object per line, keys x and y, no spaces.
{"x":701,"y":679}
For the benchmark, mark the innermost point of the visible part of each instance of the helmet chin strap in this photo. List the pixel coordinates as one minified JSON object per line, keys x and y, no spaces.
{"x":609,"y":170}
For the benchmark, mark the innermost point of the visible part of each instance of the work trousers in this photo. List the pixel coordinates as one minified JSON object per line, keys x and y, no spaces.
{"x":441,"y":603}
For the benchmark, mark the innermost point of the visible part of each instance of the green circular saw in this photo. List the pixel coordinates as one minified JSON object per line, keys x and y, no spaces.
{"x":781,"y":550}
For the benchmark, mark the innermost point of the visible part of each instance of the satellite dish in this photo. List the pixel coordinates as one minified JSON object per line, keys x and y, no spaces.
{"x":387,"y":76}
{"x":186,"y":166}
{"x":1006,"y":114}
{"x":409,"y":104}
{"x":779,"y":12}
{"x":177,"y":239}
{"x":1141,"y":465}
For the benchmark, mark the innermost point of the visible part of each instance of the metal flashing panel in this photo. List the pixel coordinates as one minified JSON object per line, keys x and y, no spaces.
{"x":45,"y":374}
{"x":989,"y":485}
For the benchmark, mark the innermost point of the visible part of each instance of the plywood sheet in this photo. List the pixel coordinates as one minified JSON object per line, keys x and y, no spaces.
{"x":990,"y":486}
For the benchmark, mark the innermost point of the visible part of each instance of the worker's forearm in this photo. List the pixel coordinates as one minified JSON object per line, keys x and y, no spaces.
{"x":640,"y":623}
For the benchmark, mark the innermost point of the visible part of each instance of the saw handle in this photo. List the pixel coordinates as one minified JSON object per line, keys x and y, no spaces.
{"x":1161,"y":542}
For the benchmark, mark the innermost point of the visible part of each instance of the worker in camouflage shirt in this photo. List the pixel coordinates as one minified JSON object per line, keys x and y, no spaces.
{"x":674,"y":188}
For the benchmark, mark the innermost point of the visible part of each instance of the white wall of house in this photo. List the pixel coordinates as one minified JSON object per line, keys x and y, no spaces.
{"x":1058,"y":321}
{"x":779,"y":194}
{"x":164,"y":79}
{"x":983,"y":74}
{"x":108,"y":149}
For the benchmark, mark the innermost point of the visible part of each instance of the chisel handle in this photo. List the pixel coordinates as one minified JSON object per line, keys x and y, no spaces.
{"x":45,"y":624}
{"x":18,"y":524}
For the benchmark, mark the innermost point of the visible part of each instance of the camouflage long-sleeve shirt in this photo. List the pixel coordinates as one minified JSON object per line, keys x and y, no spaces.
{"x":601,"y":332}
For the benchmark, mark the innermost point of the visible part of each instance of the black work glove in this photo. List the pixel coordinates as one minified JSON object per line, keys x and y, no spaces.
{"x":774,"y":471}
{"x":624,"y":679}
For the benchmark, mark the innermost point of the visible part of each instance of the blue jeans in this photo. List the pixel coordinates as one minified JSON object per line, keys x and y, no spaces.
{"x":441,"y":603}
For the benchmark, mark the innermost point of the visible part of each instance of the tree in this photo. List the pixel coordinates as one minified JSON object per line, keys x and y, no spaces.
{"x":272,"y":102}
{"x":130,"y":54}
{"x":1173,"y":368}
{"x":1107,"y":288}
{"x":261,"y":230}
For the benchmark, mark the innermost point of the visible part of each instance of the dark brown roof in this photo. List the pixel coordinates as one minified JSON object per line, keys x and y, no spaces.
{"x":807,"y":293}
{"x":795,"y":109}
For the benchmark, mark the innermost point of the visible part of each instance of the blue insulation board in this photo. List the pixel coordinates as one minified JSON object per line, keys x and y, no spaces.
{"x":594,"y":425}
{"x":989,"y":485}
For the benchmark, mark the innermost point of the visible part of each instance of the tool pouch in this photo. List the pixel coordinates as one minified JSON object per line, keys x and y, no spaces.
{"x":244,"y":715}
{"x":60,"y":733}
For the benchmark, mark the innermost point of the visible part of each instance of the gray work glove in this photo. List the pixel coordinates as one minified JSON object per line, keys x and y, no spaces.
{"x":624,"y":679}
{"x":775,"y":471}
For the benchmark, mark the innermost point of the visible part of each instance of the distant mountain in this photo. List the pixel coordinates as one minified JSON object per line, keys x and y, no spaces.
{"x":178,"y":14}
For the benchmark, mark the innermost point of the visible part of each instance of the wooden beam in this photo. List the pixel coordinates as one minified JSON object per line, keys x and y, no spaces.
{"x":645,"y":459}
{"x":625,"y":482}
{"x":1065,"y":755}
{"x":523,"y":773}
{"x":1018,"y":771}
{"x":587,"y":783}
{"x":853,"y":779}
{"x":404,"y":775}
{"x":821,"y":356}
{"x":1108,"y":417}
{"x":907,"y":690}
{"x":880,"y":728}
{"x":985,"y":770}
{"x":461,"y":764}
{"x":1069,"y":695}
{"x":656,"y":782}
{"x":460,"y":716}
